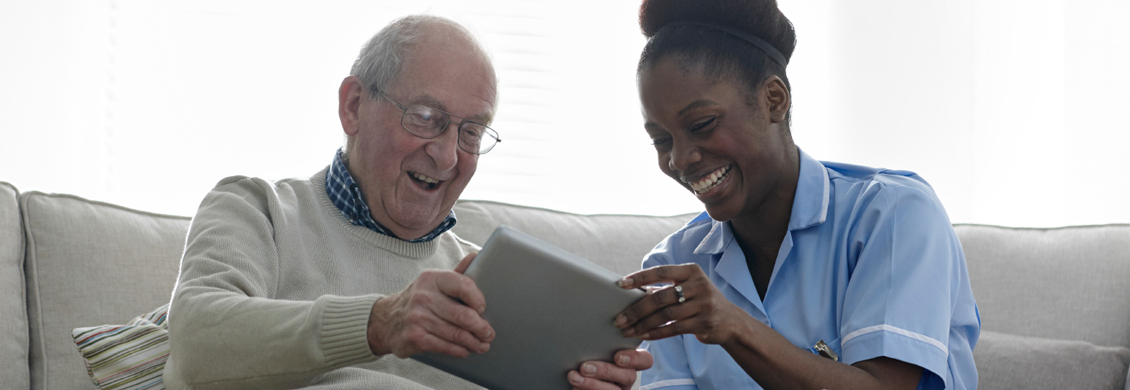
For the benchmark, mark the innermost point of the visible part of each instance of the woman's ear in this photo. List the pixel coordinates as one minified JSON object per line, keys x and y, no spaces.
{"x":349,"y":97}
{"x":778,"y":97}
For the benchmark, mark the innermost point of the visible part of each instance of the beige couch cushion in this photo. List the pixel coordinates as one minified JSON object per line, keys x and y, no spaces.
{"x":616,"y":242}
{"x":1063,"y":283}
{"x":1010,"y":362}
{"x":90,"y":263}
{"x":13,"y":312}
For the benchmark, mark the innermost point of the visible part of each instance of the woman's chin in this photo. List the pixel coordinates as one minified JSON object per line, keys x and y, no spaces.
{"x":721,"y":208}
{"x":718,"y":201}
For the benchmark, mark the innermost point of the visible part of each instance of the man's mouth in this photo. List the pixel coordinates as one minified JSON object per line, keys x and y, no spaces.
{"x":710,"y":181}
{"x":425,"y":182}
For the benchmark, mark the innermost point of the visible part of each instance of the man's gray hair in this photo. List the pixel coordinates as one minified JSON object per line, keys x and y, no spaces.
{"x":381,"y":58}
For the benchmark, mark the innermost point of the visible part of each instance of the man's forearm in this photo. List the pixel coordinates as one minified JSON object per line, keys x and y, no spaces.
{"x":220,"y":339}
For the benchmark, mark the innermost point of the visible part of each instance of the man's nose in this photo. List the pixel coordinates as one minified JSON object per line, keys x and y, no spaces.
{"x":444,"y":149}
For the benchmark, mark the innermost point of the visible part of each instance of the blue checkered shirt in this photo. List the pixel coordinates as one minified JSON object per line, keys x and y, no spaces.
{"x":346,"y":195}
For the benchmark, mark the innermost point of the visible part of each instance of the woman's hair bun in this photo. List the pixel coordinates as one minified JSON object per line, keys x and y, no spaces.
{"x":761,"y":18}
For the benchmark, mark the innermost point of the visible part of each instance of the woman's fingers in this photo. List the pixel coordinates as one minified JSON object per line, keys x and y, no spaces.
{"x":667,"y":315}
{"x":661,"y":274}
{"x":691,"y":306}
{"x":664,"y":300}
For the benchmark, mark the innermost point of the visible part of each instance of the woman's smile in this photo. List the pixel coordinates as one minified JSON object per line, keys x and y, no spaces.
{"x":705,"y":185}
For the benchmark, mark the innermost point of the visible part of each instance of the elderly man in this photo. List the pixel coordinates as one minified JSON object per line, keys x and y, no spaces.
{"x":332,"y":281}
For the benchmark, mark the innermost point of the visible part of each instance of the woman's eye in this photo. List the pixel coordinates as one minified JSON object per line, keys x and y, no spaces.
{"x":704,"y":124}
{"x":661,"y":144}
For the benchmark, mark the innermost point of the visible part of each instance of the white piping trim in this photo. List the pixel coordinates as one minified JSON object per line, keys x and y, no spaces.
{"x":892,"y":329}
{"x":668,"y":382}
{"x":827,"y":194}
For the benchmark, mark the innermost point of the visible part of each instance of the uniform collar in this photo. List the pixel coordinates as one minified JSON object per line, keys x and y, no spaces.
{"x":813,"y":194}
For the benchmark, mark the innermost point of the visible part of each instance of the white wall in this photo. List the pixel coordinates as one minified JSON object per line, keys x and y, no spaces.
{"x":1011,"y":109}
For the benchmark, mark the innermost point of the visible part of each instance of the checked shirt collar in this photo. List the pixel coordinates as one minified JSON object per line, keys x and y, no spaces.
{"x":346,"y":195}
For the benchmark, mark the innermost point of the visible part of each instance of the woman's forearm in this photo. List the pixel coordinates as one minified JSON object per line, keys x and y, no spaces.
{"x":775,"y":363}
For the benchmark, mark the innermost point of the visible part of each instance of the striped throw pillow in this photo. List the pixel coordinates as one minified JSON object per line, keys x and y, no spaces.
{"x":130,"y":356}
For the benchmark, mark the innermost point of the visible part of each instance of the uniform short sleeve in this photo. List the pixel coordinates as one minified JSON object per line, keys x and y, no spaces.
{"x":908,"y":297}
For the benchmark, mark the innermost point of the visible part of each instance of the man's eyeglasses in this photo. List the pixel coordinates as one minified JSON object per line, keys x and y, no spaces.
{"x":427,"y":122}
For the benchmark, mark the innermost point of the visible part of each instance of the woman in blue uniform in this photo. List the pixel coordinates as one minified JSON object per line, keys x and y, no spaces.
{"x":801,"y":274}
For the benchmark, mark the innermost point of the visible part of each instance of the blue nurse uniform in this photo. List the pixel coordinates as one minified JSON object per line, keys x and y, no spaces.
{"x":870,"y":265}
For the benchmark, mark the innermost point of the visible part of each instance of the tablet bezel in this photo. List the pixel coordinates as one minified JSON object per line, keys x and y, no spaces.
{"x":551,"y":311}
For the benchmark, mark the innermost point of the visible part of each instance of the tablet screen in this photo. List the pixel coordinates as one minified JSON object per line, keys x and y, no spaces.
{"x":551,"y":311}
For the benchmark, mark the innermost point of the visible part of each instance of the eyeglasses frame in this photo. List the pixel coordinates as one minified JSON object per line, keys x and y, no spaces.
{"x":490,"y":132}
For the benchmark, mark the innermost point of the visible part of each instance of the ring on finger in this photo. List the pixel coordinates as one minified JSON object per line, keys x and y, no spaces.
{"x":679,"y":293}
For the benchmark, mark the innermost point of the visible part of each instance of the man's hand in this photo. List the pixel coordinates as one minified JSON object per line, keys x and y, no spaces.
{"x":597,"y":375}
{"x":439,"y":312}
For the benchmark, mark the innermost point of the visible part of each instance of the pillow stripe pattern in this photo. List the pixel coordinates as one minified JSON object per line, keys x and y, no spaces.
{"x":131,"y":356}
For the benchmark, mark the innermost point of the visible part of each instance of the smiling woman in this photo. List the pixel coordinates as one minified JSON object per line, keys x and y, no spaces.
{"x":984,"y":98}
{"x":796,"y":263}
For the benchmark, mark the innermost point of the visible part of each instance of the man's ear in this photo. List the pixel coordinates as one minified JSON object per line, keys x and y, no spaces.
{"x":778,"y":97}
{"x":349,"y":97}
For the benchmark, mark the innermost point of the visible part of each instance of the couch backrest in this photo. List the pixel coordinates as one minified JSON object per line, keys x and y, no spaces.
{"x":1069,"y":283}
{"x":85,"y":264}
{"x":90,"y":263}
{"x":13,"y":309}
{"x":616,"y":242}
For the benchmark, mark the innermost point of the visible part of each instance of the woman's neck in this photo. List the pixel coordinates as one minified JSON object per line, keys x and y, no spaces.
{"x":765,"y":225}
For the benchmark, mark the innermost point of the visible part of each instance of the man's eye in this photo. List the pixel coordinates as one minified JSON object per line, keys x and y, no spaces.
{"x":425,"y":117}
{"x":472,"y":133}
{"x":704,"y":124}
{"x":661,"y":144}
{"x":429,"y":119}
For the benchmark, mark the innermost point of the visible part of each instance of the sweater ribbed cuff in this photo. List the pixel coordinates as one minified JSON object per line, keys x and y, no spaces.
{"x":343,"y":333}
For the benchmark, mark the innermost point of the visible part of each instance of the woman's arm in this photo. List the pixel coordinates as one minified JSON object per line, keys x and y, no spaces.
{"x":764,"y":354}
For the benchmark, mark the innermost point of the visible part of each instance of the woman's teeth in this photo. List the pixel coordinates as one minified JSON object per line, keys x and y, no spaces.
{"x":710,"y":181}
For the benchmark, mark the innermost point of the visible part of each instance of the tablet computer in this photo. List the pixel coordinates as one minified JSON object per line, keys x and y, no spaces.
{"x":550,"y":310}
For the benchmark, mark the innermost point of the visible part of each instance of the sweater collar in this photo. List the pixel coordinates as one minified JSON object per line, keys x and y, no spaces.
{"x":344,"y":192}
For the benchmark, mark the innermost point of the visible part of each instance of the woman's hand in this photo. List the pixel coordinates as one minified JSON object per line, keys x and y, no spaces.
{"x":703,"y":312}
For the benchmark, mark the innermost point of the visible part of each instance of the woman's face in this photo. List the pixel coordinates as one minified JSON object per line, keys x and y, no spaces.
{"x":712,"y":141}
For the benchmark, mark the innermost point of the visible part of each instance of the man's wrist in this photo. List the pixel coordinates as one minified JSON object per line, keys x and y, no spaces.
{"x":374,"y":334}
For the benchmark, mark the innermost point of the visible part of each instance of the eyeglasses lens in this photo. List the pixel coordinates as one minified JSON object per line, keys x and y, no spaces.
{"x":428,"y":122}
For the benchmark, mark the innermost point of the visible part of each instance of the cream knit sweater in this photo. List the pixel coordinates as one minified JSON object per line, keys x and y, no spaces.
{"x":275,"y":290}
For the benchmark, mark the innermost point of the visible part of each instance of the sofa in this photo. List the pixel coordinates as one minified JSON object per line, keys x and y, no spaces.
{"x":1054,"y":303}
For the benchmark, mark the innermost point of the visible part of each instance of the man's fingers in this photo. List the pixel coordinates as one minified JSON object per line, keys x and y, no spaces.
{"x":635,"y":359}
{"x":463,"y":264}
{"x":426,"y":332}
{"x":458,"y":336}
{"x":462,"y":288}
{"x":581,"y":382}
{"x":461,"y":316}
{"x":608,"y":372}
{"x":430,"y":343}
